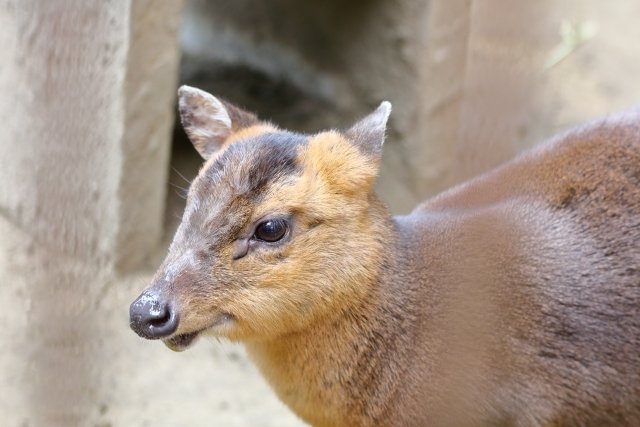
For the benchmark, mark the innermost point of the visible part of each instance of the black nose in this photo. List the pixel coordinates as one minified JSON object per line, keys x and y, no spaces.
{"x":152,"y":317}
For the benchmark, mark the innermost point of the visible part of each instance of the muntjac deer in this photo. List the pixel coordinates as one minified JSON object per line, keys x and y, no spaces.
{"x":510,"y":300}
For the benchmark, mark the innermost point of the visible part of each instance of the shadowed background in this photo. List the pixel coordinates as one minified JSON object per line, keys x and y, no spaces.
{"x":88,"y":201}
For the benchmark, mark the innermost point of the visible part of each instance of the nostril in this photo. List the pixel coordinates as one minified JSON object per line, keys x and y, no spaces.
{"x":152,"y":318}
{"x":161,"y":322}
{"x":162,"y":317}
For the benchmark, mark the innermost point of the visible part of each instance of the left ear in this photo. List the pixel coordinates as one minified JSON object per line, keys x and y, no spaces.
{"x":208,"y":121}
{"x":368,"y":133}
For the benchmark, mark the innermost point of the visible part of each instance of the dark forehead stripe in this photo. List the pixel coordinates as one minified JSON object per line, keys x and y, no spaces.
{"x":257,"y":161}
{"x":239,"y":174}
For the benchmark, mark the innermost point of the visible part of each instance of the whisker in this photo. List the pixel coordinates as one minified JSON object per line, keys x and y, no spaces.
{"x":181,"y":176}
{"x":186,"y":190}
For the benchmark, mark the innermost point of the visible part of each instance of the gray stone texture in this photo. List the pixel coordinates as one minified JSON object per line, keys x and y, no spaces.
{"x":86,"y":106}
{"x":87,"y":92}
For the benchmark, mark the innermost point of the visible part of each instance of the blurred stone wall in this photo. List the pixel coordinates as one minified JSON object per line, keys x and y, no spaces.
{"x":468,"y":80}
{"x":86,"y":95}
{"x":87,"y":91}
{"x":313,"y":65}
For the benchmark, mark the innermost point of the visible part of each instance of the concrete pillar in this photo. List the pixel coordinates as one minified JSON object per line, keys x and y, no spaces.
{"x":503,"y":70}
{"x":441,"y":73}
{"x":87,"y":90}
{"x":149,"y":91}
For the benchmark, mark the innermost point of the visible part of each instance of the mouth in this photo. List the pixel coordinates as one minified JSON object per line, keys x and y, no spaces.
{"x":182,"y":342}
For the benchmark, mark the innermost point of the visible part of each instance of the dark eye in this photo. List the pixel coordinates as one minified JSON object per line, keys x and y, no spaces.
{"x":271,"y":231}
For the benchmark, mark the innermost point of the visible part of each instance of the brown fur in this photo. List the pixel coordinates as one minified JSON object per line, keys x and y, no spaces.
{"x":510,"y":300}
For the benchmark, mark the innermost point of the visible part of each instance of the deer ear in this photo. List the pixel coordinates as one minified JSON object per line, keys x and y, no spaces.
{"x":208,"y":121}
{"x":368,"y":133}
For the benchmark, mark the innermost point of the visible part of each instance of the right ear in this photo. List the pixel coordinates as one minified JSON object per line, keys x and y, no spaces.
{"x":208,"y":121}
{"x":368,"y":133}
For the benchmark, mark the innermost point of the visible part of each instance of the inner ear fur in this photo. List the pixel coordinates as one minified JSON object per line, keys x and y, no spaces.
{"x":208,"y":121}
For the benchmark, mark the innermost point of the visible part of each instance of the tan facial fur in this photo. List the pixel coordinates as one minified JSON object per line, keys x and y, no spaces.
{"x":273,"y":289}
